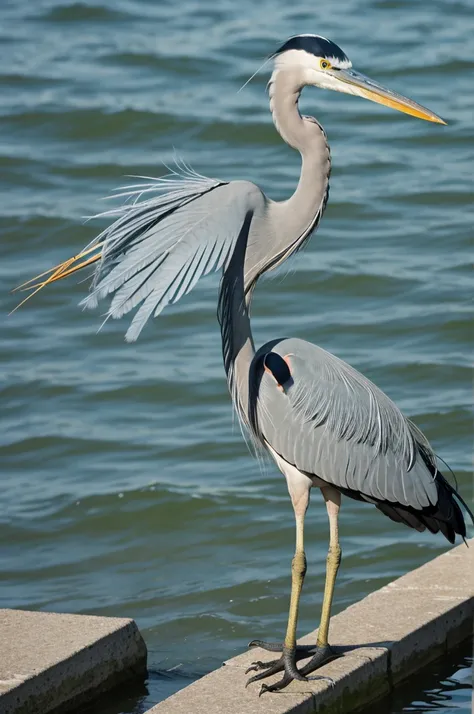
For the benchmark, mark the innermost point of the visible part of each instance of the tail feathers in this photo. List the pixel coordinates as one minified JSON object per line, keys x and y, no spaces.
{"x":446,"y":516}
{"x":448,"y":503}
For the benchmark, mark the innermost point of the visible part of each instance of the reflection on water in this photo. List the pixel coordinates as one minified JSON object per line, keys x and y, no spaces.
{"x":445,"y":685}
{"x":126,"y":487}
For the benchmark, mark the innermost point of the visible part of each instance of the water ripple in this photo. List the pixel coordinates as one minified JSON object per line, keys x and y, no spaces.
{"x":127,"y":489}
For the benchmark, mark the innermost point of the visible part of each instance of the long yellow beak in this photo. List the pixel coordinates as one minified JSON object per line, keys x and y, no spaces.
{"x":353,"y":82}
{"x":59,"y":272}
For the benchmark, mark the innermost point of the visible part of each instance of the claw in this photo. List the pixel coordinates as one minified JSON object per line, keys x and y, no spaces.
{"x":256,"y":666}
{"x":284,"y":682}
{"x":287,"y":664}
{"x":273,"y":668}
{"x":316,"y":677}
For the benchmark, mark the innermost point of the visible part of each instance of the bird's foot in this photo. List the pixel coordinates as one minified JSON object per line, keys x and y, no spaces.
{"x":287,"y":664}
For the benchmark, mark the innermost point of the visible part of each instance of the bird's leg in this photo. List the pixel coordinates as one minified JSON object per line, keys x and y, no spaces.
{"x":298,"y":572}
{"x":299,"y":487}
{"x":323,"y":651}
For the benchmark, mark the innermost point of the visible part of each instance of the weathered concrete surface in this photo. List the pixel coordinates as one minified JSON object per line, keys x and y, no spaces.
{"x":397,"y":629}
{"x":54,"y":662}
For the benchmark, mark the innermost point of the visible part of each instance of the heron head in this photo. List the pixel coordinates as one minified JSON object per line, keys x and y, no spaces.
{"x":322,"y":63}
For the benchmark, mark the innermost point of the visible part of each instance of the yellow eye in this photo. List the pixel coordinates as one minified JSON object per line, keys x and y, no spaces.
{"x":324,"y":64}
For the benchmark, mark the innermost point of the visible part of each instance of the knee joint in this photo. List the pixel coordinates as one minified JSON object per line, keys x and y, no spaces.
{"x":334,"y":554}
{"x":298,"y":564}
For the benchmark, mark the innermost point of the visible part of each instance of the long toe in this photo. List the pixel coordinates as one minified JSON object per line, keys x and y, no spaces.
{"x":257,"y":666}
{"x":281,"y":684}
{"x":268,"y":670}
{"x":286,"y":663}
{"x":268,"y":646}
{"x":320,"y":656}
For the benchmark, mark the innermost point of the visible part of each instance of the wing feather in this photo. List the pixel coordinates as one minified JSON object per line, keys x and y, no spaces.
{"x":135,"y":289}
{"x":334,"y":423}
{"x":158,"y":248}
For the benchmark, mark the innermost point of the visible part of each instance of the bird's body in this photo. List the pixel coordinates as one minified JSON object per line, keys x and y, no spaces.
{"x":323,"y":422}
{"x":337,"y":428}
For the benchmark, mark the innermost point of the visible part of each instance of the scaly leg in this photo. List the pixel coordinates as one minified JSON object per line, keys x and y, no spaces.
{"x":323,"y":651}
{"x":299,"y":487}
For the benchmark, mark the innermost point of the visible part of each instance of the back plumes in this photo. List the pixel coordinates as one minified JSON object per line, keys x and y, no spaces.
{"x":170,"y":232}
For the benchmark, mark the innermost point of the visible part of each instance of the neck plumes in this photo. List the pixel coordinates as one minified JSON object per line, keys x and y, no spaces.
{"x":234,"y":320}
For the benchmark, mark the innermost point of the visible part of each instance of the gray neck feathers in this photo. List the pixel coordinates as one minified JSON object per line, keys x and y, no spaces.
{"x":284,"y":90}
{"x":292,"y":221}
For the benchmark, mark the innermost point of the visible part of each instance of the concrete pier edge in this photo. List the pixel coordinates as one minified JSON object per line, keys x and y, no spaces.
{"x":52,"y":662}
{"x":58,"y":662}
{"x":397,"y":629}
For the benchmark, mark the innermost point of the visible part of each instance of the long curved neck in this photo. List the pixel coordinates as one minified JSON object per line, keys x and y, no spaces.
{"x":284,"y":91}
{"x":289,"y":223}
{"x":305,"y":135}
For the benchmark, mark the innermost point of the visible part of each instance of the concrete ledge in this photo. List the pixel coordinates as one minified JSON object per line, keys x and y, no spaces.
{"x":397,"y":630}
{"x":54,"y":662}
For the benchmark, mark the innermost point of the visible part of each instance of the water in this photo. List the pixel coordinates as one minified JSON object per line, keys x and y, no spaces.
{"x":126,"y":487}
{"x":443,"y":685}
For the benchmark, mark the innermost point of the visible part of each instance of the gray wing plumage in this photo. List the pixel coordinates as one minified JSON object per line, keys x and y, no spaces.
{"x":330,"y":421}
{"x":158,"y":248}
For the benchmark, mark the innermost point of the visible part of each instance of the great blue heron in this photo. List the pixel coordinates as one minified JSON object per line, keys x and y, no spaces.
{"x":324,"y":424}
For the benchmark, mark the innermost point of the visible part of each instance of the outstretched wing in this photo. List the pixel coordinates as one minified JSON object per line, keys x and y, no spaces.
{"x":328,"y":420}
{"x":157,"y":249}
{"x":156,"y":253}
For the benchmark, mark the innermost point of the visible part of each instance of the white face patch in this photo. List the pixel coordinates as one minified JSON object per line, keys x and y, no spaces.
{"x":305,"y":60}
{"x":311,"y":72}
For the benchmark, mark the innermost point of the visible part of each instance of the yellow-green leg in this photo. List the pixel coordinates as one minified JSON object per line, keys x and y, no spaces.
{"x":298,"y":571}
{"x":333,"y":502}
{"x":323,"y":652}
{"x":299,"y":487}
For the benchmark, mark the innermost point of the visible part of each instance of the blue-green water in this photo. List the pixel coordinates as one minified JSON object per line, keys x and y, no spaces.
{"x":126,"y":487}
{"x":444,"y":685}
